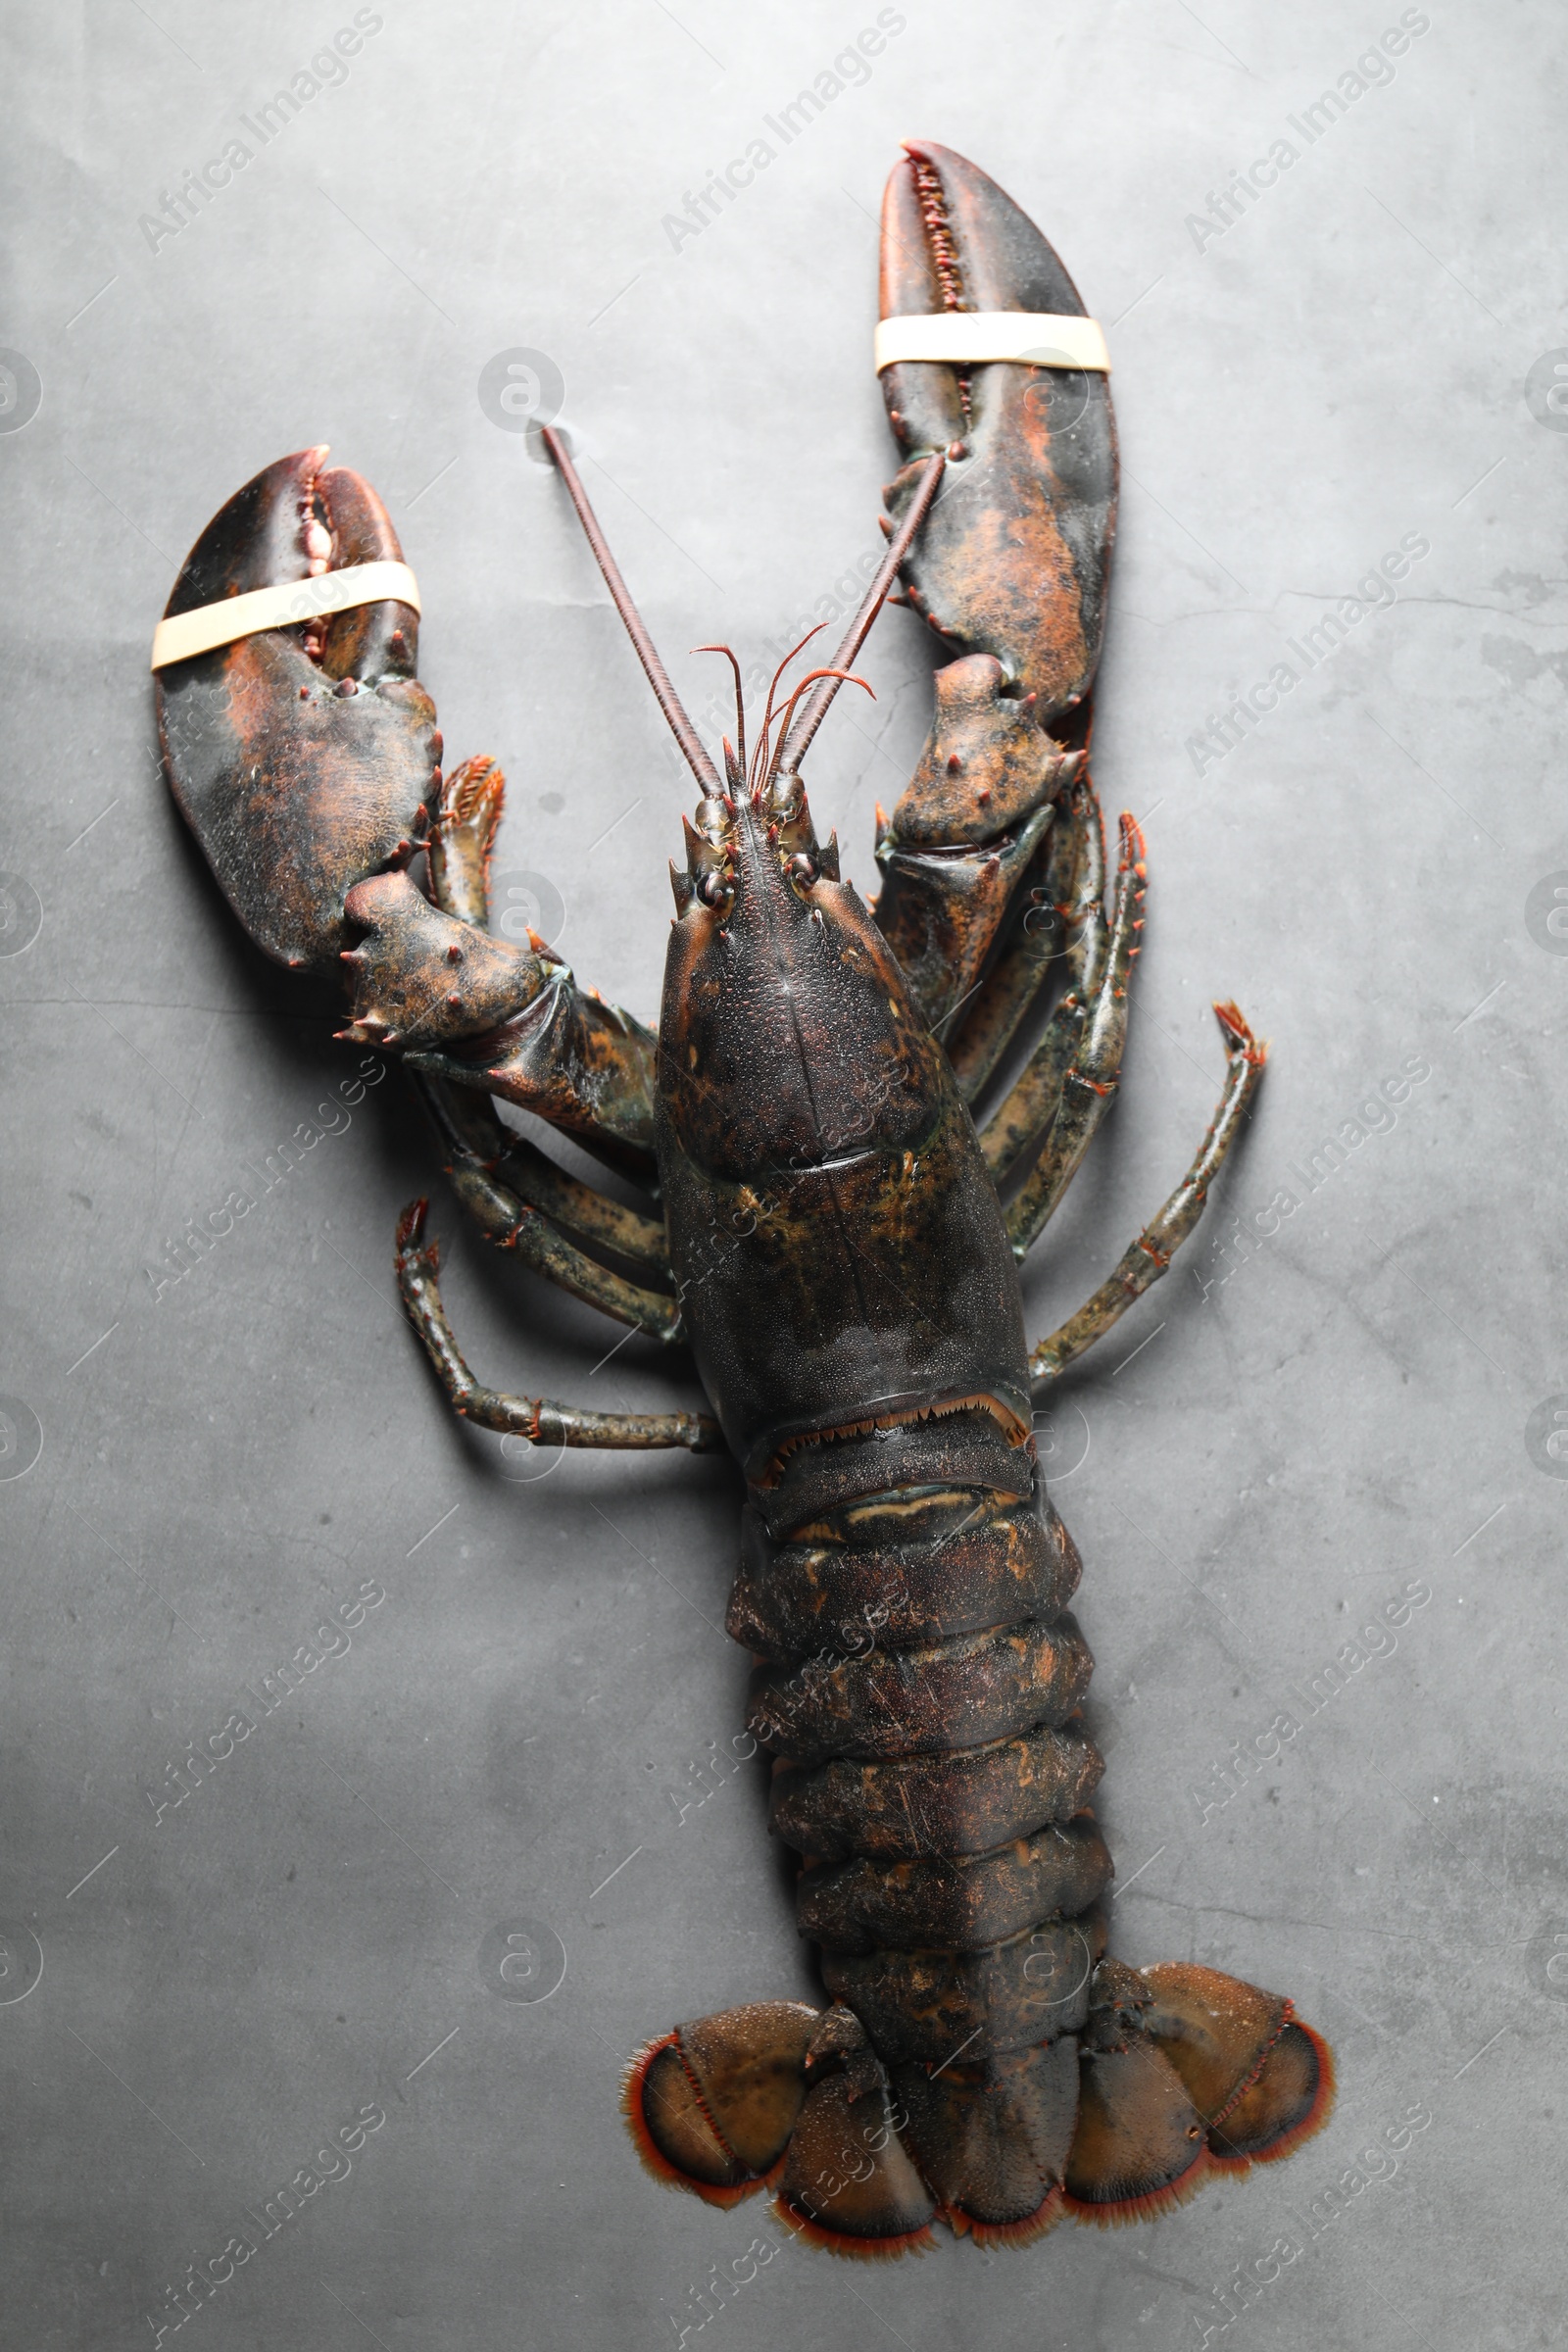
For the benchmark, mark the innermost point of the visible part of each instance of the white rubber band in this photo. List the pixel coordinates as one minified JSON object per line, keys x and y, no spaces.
{"x":970,"y":339}
{"x":281,"y":608}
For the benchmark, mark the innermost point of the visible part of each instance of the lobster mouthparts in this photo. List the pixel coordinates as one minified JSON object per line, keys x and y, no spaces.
{"x":303,"y":758}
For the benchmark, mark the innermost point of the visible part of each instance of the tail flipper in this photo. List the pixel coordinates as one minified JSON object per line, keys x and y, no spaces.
{"x":992,"y":2140}
{"x":847,"y":2182}
{"x":778,"y":2094}
{"x":1262,"y":2081}
{"x":1187,"y":2072}
{"x":1178,"y":2072}
{"x":1139,"y":2147}
{"x":713,"y":2105}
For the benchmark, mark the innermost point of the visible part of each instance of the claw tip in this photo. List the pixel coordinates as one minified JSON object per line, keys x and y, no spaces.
{"x":1238,"y":1031}
{"x":410,"y":1225}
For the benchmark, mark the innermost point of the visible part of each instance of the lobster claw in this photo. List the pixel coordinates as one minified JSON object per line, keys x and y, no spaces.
{"x":1014,"y":558}
{"x":1009,"y":566}
{"x":303,"y":759}
{"x":306,"y":761}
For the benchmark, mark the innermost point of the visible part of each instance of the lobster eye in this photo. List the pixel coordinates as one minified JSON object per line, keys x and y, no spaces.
{"x":802,"y":870}
{"x":715,"y":888}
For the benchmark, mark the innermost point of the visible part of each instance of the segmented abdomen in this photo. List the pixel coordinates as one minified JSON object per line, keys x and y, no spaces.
{"x":920,"y":1680}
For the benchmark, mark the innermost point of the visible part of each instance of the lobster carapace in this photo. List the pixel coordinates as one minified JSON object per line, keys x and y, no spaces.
{"x":831,"y":1232}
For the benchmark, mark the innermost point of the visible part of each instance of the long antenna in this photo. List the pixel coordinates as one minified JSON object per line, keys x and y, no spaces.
{"x":817,"y":710}
{"x":669,"y":702}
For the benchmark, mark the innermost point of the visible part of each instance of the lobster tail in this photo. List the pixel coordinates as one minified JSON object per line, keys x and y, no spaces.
{"x":1185,"y":2073}
{"x":918,"y":1678}
{"x":848,"y":2182}
{"x":935,"y":1786}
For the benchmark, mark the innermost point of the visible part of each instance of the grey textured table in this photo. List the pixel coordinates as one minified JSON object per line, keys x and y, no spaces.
{"x":1334,"y":1414}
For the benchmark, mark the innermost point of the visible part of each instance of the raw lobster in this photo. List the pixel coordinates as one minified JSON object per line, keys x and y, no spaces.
{"x":836,"y":1242}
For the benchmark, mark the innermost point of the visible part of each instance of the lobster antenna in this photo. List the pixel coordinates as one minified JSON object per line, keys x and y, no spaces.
{"x":796,"y":741}
{"x":842,"y":677}
{"x":669,"y":701}
{"x":728,"y":653}
{"x":759,"y":757}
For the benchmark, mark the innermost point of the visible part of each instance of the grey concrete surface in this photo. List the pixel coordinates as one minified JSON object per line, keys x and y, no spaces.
{"x":1327,"y":1407}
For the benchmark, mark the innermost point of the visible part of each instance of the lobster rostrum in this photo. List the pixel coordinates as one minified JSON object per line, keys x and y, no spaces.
{"x":834,"y":1239}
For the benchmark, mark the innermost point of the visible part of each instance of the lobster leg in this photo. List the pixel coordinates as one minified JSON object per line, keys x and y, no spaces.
{"x":484,"y":1159}
{"x":1028,"y":1109}
{"x":417,"y":1264}
{"x":978,"y":1032}
{"x":1149,"y":1255}
{"x":463,"y":839}
{"x":512,"y":1223}
{"x":517,"y":1198}
{"x":1089,"y":1081}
